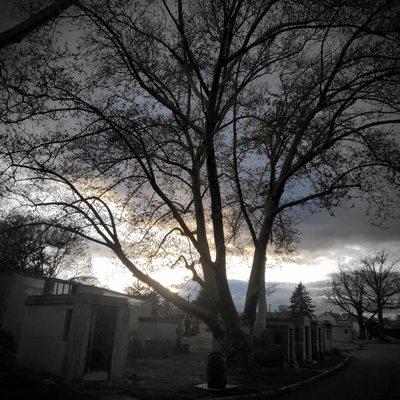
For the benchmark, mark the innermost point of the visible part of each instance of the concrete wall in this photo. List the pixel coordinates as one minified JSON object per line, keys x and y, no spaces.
{"x":78,"y":340}
{"x":303,"y":338}
{"x":4,"y":285}
{"x":89,"y":289}
{"x":137,"y":309}
{"x":342,"y":333}
{"x":41,"y":346}
{"x":121,"y":343}
{"x":158,"y":329}
{"x":327,"y":334}
{"x":317,"y":338}
{"x":81,"y":325}
{"x":39,"y":321}
{"x":14,"y":289}
{"x":302,"y":333}
{"x":300,"y":343}
{"x":276,"y":339}
{"x":326,"y":316}
{"x":341,"y":330}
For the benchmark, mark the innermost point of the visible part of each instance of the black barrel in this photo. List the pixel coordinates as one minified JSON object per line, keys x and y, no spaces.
{"x":216,"y":370}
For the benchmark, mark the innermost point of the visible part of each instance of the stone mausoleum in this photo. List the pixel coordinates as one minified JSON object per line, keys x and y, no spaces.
{"x":78,"y":336}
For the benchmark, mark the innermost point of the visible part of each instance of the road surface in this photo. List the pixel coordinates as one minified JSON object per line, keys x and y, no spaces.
{"x":373,"y":373}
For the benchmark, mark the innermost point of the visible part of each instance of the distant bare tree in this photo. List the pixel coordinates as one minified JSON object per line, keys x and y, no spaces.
{"x":347,"y":291}
{"x":143,"y":292}
{"x":81,"y":271}
{"x":382,"y":284}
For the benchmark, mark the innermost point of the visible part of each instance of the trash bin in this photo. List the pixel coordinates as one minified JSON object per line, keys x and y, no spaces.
{"x":216,"y":370}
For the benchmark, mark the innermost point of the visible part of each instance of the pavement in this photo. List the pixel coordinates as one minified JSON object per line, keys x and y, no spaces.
{"x":372,"y":373}
{"x":202,"y":342}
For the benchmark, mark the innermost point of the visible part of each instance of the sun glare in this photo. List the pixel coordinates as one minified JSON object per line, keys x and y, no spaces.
{"x":117,"y":277}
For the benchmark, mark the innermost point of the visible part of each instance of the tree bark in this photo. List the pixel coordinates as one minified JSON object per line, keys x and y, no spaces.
{"x":238,"y":347}
{"x":381,"y":334}
{"x":261,"y":318}
{"x":361,"y":325}
{"x":257,"y":275}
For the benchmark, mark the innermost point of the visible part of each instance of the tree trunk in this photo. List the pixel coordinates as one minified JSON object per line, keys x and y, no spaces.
{"x":256,"y":286}
{"x":362,"y":335}
{"x":210,"y":285}
{"x":361,"y":325}
{"x":238,"y":348}
{"x":261,"y":318}
{"x":381,"y":334}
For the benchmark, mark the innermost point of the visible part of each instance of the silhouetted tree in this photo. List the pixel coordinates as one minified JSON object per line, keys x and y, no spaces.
{"x":347,"y":291}
{"x":142,"y":292}
{"x":28,"y":245}
{"x":382,"y":285}
{"x":193,"y":128}
{"x":301,"y":302}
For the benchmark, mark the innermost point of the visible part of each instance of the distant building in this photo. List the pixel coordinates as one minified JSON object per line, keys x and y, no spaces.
{"x":290,"y":339}
{"x":342,"y":329}
{"x":387,"y":323}
{"x":354,"y":324}
{"x":396,"y":322}
{"x":283,"y":308}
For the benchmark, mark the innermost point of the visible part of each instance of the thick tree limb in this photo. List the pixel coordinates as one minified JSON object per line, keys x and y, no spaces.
{"x":20,"y":31}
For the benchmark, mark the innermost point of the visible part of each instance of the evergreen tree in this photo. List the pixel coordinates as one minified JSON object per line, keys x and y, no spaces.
{"x":301,"y":302}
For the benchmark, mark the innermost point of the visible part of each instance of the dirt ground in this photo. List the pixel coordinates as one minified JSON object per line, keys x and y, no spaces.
{"x":172,"y":377}
{"x":177,"y":376}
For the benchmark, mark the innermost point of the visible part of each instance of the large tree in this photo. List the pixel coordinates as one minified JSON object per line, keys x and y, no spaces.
{"x":178,"y":132}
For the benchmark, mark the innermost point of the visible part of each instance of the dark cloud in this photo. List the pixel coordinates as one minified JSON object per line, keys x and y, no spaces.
{"x":348,"y":234}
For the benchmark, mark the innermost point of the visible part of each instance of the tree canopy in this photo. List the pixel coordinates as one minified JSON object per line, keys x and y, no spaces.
{"x":26,"y":245}
{"x":178,"y":133}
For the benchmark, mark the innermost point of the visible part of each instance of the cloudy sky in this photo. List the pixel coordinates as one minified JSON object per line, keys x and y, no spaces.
{"x":325,"y":241}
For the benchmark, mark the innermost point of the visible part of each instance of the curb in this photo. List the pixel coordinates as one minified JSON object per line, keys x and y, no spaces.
{"x":269,"y":394}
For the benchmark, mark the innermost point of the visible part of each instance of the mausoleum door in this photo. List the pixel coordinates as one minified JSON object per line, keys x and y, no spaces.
{"x":101,"y":340}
